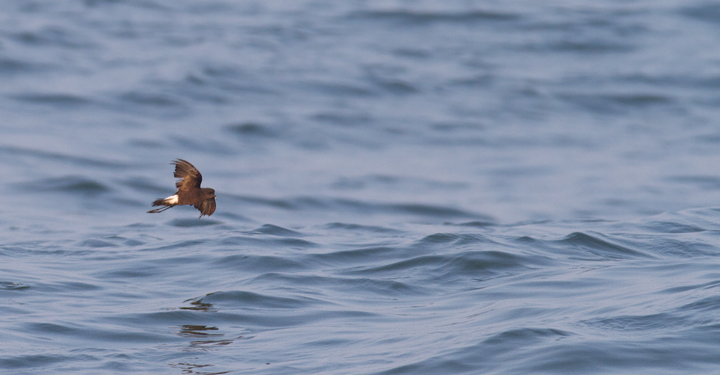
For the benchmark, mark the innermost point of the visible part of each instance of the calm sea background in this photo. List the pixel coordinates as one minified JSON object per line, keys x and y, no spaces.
{"x":404,"y":187}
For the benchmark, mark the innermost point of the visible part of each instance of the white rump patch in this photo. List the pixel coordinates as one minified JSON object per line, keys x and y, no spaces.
{"x":173,"y":199}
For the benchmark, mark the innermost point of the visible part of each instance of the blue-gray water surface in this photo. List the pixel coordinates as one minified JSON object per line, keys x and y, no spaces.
{"x":404,"y":187}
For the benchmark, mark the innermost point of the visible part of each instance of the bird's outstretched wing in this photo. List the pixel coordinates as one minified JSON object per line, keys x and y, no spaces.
{"x":191,"y":177}
{"x":206,"y":207}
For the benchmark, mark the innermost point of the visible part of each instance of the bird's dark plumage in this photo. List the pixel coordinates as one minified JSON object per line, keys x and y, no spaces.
{"x":188,"y":191}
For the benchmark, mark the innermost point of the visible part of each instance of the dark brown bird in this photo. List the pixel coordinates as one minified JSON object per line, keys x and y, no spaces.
{"x":188,"y":191}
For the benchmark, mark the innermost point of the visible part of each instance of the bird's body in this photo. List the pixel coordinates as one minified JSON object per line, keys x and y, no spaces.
{"x":188,"y":191}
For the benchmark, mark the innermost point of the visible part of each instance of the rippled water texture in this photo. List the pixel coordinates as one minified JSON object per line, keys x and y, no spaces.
{"x":404,"y":187}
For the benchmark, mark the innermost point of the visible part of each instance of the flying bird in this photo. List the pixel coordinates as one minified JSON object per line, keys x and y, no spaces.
{"x":188,"y":191}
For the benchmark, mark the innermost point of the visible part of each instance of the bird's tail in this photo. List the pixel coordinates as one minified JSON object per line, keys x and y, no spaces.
{"x":166,"y":202}
{"x":160,"y":202}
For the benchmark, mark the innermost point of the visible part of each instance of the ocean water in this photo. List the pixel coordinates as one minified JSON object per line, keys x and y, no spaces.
{"x":404,"y":187}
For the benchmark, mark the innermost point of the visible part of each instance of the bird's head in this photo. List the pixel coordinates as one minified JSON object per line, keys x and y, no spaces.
{"x":209,"y":193}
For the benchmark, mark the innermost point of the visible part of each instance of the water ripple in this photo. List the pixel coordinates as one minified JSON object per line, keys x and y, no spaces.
{"x":601,"y":248}
{"x":68,"y":184}
{"x":420,"y":18}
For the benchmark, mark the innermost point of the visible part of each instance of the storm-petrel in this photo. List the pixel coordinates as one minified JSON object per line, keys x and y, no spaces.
{"x":188,"y":191}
